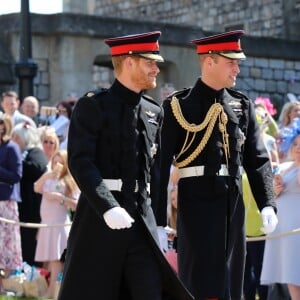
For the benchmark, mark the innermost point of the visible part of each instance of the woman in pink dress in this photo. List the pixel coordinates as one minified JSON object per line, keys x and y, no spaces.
{"x":59,"y":196}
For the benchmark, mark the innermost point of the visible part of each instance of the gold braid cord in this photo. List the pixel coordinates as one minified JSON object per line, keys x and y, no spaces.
{"x":215,"y":112}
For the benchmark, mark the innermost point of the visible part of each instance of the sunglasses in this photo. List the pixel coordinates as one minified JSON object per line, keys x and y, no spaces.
{"x":48,"y":142}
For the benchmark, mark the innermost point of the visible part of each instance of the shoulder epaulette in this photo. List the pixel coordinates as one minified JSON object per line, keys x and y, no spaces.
{"x":95,"y":92}
{"x":237,"y":94}
{"x":182,"y":93}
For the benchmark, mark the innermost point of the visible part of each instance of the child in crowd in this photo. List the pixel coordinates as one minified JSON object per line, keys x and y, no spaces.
{"x":59,"y":195}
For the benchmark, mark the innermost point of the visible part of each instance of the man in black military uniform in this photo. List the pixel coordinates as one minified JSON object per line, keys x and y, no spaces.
{"x":210,"y":133}
{"x":113,"y":138}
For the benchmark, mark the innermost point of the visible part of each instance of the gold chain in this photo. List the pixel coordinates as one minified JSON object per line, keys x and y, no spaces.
{"x":215,"y":112}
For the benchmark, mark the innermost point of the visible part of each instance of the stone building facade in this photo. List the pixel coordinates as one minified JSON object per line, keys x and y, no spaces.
{"x":73,"y":59}
{"x":273,"y":18}
{"x":268,"y":74}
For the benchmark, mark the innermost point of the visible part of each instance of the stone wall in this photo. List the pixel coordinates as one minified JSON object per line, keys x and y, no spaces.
{"x":272,"y":78}
{"x":276,"y":18}
{"x":72,"y":57}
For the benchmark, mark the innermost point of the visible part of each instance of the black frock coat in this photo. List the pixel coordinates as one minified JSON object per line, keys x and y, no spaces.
{"x":211,"y":239}
{"x":113,"y":134}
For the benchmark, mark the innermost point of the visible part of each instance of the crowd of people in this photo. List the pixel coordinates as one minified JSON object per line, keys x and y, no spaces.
{"x":217,"y":166}
{"x":35,"y":186}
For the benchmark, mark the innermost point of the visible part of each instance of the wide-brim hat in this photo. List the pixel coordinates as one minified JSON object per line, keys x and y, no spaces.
{"x":143,"y":44}
{"x":226,"y":44}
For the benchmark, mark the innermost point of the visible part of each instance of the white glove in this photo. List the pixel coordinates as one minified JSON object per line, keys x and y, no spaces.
{"x":269,"y":219}
{"x":163,"y":238}
{"x":117,"y":218}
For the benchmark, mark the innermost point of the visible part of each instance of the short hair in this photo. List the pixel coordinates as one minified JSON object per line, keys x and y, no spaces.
{"x":10,"y":94}
{"x":28,"y":134}
{"x":33,"y":100}
{"x":117,"y":61}
{"x":214,"y":56}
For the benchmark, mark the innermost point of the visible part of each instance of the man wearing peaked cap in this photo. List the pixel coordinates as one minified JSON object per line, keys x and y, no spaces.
{"x":210,"y":134}
{"x":226,"y":44}
{"x":113,"y":250}
{"x":143,"y":45}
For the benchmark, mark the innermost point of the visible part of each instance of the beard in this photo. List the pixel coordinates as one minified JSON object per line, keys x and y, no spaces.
{"x":144,"y":80}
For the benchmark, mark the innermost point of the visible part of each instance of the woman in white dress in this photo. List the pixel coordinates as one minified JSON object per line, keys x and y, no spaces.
{"x":281,"y":262}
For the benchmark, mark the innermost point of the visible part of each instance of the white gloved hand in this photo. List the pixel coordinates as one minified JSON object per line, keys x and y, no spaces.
{"x":163,"y":238}
{"x":117,"y":218}
{"x":269,"y":219}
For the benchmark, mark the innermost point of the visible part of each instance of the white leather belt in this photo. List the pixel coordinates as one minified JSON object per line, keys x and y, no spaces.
{"x":116,"y":185}
{"x":199,"y":171}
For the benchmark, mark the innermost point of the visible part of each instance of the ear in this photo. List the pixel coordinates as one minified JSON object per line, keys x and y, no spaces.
{"x":209,"y":61}
{"x":128,"y":62}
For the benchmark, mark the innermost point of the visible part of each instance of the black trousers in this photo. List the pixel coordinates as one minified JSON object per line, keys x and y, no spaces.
{"x":253,"y":266}
{"x":125,"y":266}
{"x":141,"y":273}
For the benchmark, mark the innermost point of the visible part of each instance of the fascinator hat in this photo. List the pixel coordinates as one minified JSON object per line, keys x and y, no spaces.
{"x":288,"y":134}
{"x":267,"y":104}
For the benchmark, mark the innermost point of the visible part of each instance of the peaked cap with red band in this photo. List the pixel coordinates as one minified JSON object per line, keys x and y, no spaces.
{"x":142,"y":44}
{"x":226,"y":44}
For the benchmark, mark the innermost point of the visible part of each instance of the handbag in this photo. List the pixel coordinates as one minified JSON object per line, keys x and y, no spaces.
{"x":35,"y":288}
{"x":13,"y":284}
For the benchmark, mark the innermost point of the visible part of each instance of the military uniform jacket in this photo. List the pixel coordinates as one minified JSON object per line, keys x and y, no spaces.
{"x":113,"y":134}
{"x":210,"y":208}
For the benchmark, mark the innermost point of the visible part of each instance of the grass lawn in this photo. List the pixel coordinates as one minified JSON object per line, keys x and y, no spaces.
{"x":16,"y":298}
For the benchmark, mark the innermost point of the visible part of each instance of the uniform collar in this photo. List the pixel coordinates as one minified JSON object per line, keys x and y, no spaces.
{"x":126,"y":95}
{"x":207,"y":92}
